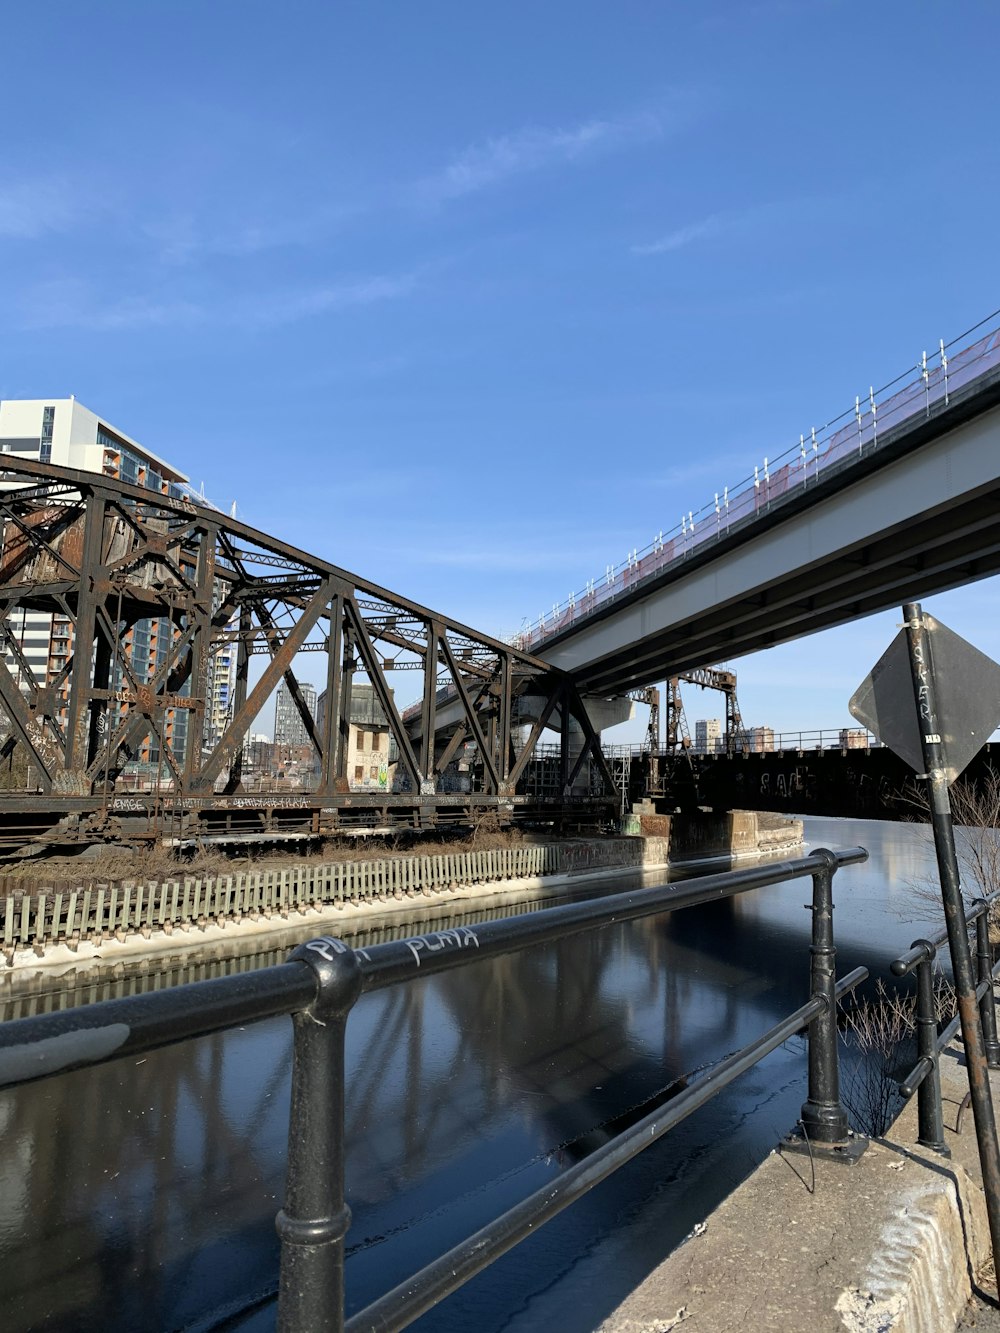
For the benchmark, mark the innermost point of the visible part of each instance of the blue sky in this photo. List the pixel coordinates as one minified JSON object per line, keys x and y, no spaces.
{"x":474,"y":299}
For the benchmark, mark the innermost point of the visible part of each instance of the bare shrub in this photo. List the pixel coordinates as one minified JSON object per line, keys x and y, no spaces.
{"x":975,"y":811}
{"x":881,"y":1032}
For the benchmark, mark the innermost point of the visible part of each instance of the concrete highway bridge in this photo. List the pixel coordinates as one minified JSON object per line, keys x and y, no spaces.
{"x":897,"y":501}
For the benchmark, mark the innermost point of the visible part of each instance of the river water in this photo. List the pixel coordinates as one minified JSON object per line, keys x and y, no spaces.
{"x":141,"y":1195}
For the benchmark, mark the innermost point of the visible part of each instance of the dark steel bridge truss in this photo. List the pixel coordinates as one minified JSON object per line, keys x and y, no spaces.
{"x":104,"y":556}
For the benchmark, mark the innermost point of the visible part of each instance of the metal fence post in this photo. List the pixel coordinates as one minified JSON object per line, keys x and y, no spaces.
{"x":315,"y":1218}
{"x":987,"y":1005}
{"x":824,"y":1119}
{"x":930,"y":1117}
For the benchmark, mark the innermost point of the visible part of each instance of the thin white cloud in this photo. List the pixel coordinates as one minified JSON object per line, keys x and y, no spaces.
{"x":33,"y":208}
{"x":73,"y":304}
{"x":184,"y":239}
{"x":529,"y":150}
{"x":283,"y":308}
{"x":682,"y":236}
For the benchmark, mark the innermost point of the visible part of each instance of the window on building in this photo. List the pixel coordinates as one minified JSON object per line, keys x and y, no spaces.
{"x":361,"y":739}
{"x":45,"y":443}
{"x":108,"y":438}
{"x":373,"y":772}
{"x":359,"y":772}
{"x":376,"y":741}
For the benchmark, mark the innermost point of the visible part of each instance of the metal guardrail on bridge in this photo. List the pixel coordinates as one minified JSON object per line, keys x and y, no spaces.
{"x":826,"y":738}
{"x":852,"y":434}
{"x":319,"y":985}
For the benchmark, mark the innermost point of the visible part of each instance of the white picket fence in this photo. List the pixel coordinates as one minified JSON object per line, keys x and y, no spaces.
{"x":46,"y":916}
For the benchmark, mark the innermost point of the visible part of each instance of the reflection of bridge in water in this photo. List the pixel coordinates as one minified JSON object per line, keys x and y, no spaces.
{"x":144,"y":1191}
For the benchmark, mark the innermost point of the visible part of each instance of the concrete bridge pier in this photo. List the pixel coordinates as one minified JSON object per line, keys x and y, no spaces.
{"x":603,"y":713}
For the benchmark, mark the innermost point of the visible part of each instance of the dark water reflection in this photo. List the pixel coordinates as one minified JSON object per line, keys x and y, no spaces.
{"x":142,"y":1195}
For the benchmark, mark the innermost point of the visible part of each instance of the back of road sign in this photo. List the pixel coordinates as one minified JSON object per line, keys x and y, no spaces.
{"x":968,"y":698}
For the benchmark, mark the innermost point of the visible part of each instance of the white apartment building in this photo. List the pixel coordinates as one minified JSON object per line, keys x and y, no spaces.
{"x":755,"y":740}
{"x":219,"y":704}
{"x":707,"y":735}
{"x":64,"y":432}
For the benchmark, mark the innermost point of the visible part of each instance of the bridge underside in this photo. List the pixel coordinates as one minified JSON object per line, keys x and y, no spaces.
{"x":140,"y":596}
{"x":916,"y":519}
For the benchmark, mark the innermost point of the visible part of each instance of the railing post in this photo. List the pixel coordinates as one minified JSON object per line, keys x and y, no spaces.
{"x":824,"y":1119}
{"x":930,"y":1117}
{"x":315,"y":1218}
{"x":987,"y":1005}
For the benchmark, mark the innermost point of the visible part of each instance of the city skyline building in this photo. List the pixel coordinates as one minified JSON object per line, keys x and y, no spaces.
{"x":755,"y":740}
{"x":707,"y":735}
{"x":64,"y":432}
{"x":289,"y":728}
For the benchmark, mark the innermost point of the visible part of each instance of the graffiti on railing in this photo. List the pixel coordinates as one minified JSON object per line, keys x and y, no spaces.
{"x":464,"y":937}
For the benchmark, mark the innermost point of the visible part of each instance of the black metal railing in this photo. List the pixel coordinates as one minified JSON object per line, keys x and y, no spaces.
{"x":318,"y":987}
{"x":925,"y":1078}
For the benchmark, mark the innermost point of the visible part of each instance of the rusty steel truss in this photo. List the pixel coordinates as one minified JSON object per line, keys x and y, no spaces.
{"x":103,"y":556}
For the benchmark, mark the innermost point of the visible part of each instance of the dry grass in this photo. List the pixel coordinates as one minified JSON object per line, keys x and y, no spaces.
{"x":104,"y":864}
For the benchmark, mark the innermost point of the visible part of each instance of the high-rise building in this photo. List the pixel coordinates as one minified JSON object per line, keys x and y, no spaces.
{"x":219,"y":686}
{"x":64,"y":432}
{"x":289,"y":728}
{"x":707,"y":735}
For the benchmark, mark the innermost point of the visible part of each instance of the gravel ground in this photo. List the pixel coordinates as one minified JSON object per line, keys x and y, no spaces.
{"x":983,"y":1315}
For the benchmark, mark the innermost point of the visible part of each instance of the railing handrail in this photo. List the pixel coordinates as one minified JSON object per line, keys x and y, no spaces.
{"x":924,"y":949}
{"x":815,"y":738}
{"x":111,"y":1028}
{"x":403,"y":960}
{"x":924,"y":1078}
{"x":421,"y":1292}
{"x":318,"y":986}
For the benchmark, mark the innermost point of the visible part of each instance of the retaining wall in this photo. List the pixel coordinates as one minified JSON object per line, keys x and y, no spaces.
{"x":45,"y":916}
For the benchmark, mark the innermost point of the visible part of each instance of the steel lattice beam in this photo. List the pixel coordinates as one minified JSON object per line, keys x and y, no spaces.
{"x":107,"y":557}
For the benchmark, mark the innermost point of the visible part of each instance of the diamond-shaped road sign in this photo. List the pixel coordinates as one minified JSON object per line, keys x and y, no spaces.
{"x":968,"y":699}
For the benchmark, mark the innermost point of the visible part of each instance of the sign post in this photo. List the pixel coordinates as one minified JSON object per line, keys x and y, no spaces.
{"x":941,"y":737}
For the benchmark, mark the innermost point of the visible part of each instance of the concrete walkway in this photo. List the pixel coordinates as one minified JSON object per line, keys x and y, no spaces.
{"x":890,"y":1245}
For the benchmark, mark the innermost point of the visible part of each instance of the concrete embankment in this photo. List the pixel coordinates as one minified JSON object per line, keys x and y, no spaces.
{"x":889,"y":1245}
{"x":108,"y":921}
{"x":70,"y":924}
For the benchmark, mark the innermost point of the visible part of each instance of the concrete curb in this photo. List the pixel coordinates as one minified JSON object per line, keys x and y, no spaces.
{"x":887,"y":1246}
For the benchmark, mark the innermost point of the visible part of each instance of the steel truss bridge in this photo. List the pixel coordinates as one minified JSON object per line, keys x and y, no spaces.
{"x":106,"y":555}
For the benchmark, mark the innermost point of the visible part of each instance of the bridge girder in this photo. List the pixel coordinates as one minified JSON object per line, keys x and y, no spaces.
{"x":104,"y":556}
